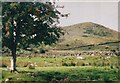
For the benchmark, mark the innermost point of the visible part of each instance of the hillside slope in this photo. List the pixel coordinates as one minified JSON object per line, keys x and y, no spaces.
{"x":87,"y":33}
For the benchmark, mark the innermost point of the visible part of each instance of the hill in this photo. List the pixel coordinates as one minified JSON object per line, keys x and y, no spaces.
{"x":86,"y":36}
{"x":82,"y":35}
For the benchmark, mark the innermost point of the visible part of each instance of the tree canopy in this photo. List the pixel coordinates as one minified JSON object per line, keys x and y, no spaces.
{"x":29,"y":23}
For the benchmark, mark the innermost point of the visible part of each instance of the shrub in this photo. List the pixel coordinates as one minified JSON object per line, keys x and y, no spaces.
{"x":90,"y":64}
{"x":111,"y":67}
{"x":83,"y":64}
{"x":73,"y":64}
{"x":69,"y":63}
{"x":80,"y":64}
{"x":65,"y":64}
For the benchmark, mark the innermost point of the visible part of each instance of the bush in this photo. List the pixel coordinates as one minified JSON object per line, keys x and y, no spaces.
{"x":65,"y":64}
{"x":80,"y":64}
{"x":90,"y":64}
{"x":111,"y":67}
{"x":83,"y":64}
{"x":73,"y":64}
{"x":69,"y":63}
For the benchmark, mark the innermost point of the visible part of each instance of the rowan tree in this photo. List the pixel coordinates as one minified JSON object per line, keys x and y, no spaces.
{"x":26,"y":23}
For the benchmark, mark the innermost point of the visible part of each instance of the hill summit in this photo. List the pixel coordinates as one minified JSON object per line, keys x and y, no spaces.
{"x":89,"y":29}
{"x":86,"y":33}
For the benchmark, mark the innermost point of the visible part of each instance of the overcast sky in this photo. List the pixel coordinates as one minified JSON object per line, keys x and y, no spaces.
{"x":100,"y":12}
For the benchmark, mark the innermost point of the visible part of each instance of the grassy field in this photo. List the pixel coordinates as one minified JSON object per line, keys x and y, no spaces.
{"x":63,"y":74}
{"x":62,"y":69}
{"x":53,"y":61}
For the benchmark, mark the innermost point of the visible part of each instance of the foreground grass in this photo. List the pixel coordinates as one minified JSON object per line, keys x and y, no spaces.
{"x":82,"y":74}
{"x":62,"y":69}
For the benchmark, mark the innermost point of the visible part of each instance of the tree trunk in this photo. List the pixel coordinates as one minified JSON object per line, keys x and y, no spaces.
{"x":13,"y":60}
{"x":13,"y":49}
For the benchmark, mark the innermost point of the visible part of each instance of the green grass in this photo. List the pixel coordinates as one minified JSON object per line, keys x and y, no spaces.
{"x":48,"y":74}
{"x":53,"y":61}
{"x":51,"y":69}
